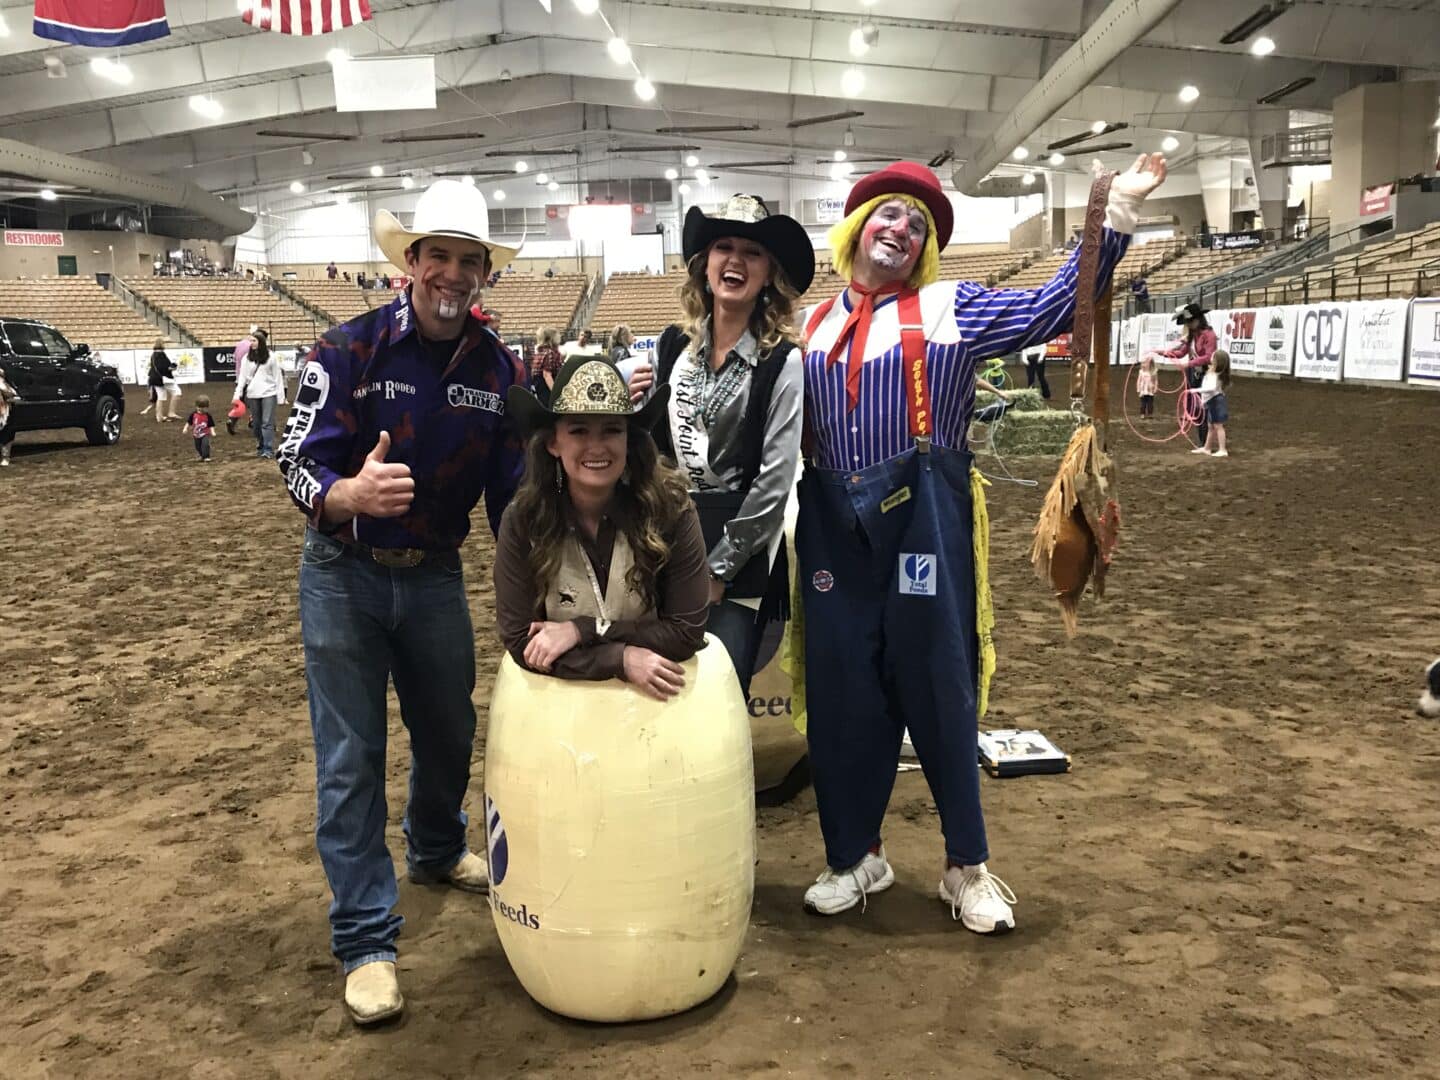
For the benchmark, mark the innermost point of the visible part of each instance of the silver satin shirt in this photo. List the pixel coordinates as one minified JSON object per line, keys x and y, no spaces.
{"x":697,"y":392}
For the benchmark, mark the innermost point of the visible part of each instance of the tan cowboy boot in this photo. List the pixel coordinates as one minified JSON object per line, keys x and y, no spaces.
{"x":372,"y":992}
{"x":470,"y":874}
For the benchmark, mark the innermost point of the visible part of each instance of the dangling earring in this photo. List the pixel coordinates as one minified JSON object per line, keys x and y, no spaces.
{"x":707,"y":288}
{"x":625,"y":476}
{"x":559,"y":475}
{"x":765,"y":296}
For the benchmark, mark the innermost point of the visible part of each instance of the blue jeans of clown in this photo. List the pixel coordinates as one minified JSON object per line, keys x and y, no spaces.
{"x":888,"y":580}
{"x":364,"y":625}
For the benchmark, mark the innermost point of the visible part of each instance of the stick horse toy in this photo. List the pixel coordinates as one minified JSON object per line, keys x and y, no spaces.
{"x":1079,"y":524}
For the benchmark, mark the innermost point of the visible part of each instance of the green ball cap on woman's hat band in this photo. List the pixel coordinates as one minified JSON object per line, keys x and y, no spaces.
{"x":588,"y":384}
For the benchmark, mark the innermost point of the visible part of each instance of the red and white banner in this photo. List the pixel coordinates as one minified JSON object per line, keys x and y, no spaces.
{"x":32,"y":238}
{"x":305,"y":17}
{"x":100,"y":24}
{"x":1376,"y":200}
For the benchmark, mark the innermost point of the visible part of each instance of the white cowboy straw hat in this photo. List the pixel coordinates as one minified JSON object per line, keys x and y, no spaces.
{"x":447,"y":208}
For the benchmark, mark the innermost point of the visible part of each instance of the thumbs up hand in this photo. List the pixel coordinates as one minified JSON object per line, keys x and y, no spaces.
{"x":382,"y":489}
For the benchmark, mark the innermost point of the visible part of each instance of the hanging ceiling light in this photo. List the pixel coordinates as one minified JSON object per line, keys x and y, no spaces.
{"x":521,"y":166}
{"x":684,"y":189}
{"x":297,"y":188}
{"x":1170,"y":144}
{"x":1028,"y":179}
{"x":619,"y":51}
{"x":644,"y":89}
{"x":702,"y":177}
{"x":48,"y":194}
{"x":858,"y":45}
{"x":468,"y":180}
{"x":407,"y":181}
{"x":377,"y":170}
{"x":852,"y":81}
{"x":207,"y":107}
{"x":499,"y":194}
{"x":542,"y":178}
{"x":336,"y":56}
{"x":840,"y":155}
{"x":672,"y":174}
{"x":849,"y":139}
{"x":1189,"y":93}
{"x":1098,"y":127}
{"x":553,"y":186}
{"x":1020,"y":153}
{"x":1263,"y":46}
{"x":1057,"y":158}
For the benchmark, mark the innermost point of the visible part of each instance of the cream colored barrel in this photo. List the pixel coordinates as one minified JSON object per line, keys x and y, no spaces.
{"x":621,"y":834}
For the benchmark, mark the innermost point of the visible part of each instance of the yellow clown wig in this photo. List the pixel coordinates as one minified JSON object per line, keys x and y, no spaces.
{"x":845,"y":237}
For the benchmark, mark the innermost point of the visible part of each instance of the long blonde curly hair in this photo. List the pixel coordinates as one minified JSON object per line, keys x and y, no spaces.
{"x":771,"y":322}
{"x":651,"y":500}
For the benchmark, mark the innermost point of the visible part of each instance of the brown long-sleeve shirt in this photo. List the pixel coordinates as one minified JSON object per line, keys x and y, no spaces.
{"x":676,"y":630}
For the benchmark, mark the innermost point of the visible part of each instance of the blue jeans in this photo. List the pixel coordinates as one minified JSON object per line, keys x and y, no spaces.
{"x":364,"y":624}
{"x":262,"y":421}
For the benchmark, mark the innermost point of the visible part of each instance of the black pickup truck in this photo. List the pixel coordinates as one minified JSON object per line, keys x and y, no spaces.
{"x":60,"y":385}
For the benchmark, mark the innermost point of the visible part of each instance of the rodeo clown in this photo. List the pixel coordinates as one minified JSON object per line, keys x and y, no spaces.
{"x":892,"y":536}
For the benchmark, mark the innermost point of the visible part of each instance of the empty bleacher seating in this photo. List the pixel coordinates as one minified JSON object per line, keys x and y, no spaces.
{"x":220,"y":311}
{"x":80,"y":309}
{"x":337,"y":300}
{"x":647,"y":303}
{"x":526,"y":302}
{"x":1402,"y":265}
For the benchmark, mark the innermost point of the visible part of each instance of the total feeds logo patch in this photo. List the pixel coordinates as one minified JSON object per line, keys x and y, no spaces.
{"x":917,"y":574}
{"x":498,"y":848}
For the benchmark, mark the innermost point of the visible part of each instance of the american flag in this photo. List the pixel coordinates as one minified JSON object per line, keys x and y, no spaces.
{"x":305,"y":17}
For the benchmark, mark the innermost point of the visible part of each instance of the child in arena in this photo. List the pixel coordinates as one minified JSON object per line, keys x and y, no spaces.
{"x":1212,"y":397}
{"x":1146,"y":384}
{"x":202,"y":425}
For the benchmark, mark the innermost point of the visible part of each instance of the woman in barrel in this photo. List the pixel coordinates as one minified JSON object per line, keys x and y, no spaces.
{"x":599,"y":564}
{"x":735,"y":412}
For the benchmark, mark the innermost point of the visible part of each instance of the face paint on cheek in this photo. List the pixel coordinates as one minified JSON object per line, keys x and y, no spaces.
{"x":882,"y":255}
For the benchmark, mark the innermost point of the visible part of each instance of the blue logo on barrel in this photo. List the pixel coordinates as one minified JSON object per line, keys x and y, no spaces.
{"x":496,"y":845}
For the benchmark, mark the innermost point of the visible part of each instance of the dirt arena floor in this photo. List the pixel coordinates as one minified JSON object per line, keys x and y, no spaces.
{"x":1238,"y":879}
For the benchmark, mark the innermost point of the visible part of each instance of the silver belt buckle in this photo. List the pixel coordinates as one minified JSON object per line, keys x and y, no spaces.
{"x":398,"y":557}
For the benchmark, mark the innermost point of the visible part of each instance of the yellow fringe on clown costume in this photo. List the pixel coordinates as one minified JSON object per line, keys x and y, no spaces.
{"x":793,"y":648}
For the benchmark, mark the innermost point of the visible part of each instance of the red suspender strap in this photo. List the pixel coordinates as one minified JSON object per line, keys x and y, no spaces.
{"x":916,"y":373}
{"x":818,"y":316}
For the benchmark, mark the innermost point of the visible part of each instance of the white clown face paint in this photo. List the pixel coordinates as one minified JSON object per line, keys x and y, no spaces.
{"x":891,"y":241}
{"x":448,"y":275}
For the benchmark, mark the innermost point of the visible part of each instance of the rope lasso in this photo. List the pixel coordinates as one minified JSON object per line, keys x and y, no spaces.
{"x":1188,"y":410}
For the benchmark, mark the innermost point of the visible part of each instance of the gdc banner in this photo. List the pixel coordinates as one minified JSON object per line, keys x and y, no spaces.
{"x":1320,"y":341}
{"x":1238,"y":337}
{"x":1275,"y":350}
{"x":1424,"y":356}
{"x":1375,"y":340}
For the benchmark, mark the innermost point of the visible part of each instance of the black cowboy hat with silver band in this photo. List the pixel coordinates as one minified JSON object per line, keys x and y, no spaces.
{"x":1186,"y":312}
{"x":747,"y":217}
{"x":587,"y":384}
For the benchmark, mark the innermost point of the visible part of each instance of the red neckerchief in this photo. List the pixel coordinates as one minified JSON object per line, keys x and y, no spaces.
{"x":855,"y":332}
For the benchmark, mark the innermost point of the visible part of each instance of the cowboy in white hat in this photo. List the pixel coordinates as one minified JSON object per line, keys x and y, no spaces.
{"x":397,"y":431}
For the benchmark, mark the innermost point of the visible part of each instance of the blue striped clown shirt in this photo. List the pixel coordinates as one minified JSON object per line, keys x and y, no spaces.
{"x":965,"y":323}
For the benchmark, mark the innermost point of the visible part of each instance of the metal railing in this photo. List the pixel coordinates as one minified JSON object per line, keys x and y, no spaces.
{"x":1323,"y":285}
{"x":151,"y":313}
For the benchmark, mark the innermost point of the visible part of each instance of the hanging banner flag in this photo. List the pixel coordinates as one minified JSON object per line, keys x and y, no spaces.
{"x":304,"y":17}
{"x":1275,"y":349}
{"x":1320,"y":341}
{"x":1238,"y":337}
{"x":1423,"y":358}
{"x":1376,"y":200}
{"x":100,"y":23}
{"x":1375,"y":340}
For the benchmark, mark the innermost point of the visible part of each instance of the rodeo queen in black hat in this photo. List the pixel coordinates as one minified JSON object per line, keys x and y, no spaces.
{"x":735,"y":412}
{"x":1193,"y":354}
{"x":599,"y":563}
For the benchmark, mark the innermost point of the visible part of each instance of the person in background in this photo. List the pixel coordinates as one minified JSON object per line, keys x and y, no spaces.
{"x":387,"y":482}
{"x":360,"y":278}
{"x":735,"y":416}
{"x":1035,"y":370}
{"x":620,"y":341}
{"x":1212,"y":396}
{"x":8,"y":397}
{"x":545,"y":363}
{"x":1193,"y":355}
{"x":550,"y":271}
{"x":1141,"y":292}
{"x":242,"y":350}
{"x":164,"y":386}
{"x":1146,"y":384}
{"x":260,"y":382}
{"x":201,"y":425}
{"x":331,"y":271}
{"x":600,"y":563}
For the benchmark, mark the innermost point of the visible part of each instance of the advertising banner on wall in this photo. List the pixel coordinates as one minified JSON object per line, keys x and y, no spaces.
{"x":1320,"y":341}
{"x":1236,"y":241}
{"x":1376,"y":200}
{"x":1158,"y":332}
{"x":189,"y":365}
{"x":133,"y":365}
{"x":1275,"y":350}
{"x":1129,"y":338}
{"x":1237,"y":334}
{"x":220,"y":364}
{"x":1375,"y":340}
{"x":1423,"y":359}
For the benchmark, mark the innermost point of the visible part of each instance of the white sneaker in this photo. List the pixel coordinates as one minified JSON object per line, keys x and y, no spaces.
{"x":372,"y":992}
{"x":1221,"y":453}
{"x":978,"y":899}
{"x":835,"y":891}
{"x":1199,"y":450}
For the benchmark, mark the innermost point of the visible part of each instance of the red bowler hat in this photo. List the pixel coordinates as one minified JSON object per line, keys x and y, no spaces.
{"x":907,"y":178}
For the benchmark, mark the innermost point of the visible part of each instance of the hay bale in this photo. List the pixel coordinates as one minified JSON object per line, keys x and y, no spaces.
{"x":1026,"y":401}
{"x":1044,"y":433}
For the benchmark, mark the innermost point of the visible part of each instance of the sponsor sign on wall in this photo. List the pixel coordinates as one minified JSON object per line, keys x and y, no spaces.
{"x":132,"y":364}
{"x":1423,"y":360}
{"x":1236,"y":241}
{"x":219,"y":364}
{"x":1376,"y":200}
{"x":1375,"y":340}
{"x":189,"y":365}
{"x":1275,"y":347}
{"x":1158,"y":332}
{"x":33,"y":238}
{"x":1238,"y":335}
{"x":1320,"y":341}
{"x":1130,"y":342}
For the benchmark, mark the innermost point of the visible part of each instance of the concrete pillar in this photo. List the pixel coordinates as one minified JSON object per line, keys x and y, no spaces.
{"x":1215,"y":189}
{"x":1382,"y":131}
{"x":1272,"y":186}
